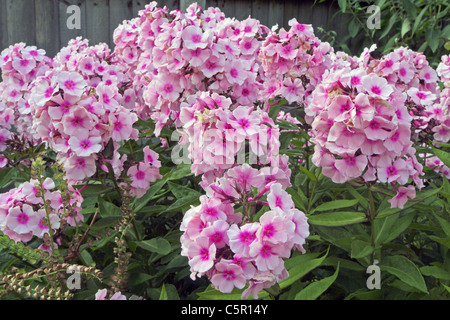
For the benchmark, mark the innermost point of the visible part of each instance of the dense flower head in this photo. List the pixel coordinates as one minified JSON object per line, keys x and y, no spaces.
{"x":23,"y":215}
{"x":231,"y":247}
{"x":294,"y":61}
{"x":182,"y":53}
{"x":218,"y":135}
{"x":20,"y":66}
{"x":78,"y":108}
{"x":361,"y":129}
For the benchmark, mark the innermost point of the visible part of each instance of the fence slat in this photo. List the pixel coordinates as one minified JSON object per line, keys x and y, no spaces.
{"x":243,"y":9}
{"x":305,"y":12}
{"x":276,"y":13}
{"x":97,"y":21}
{"x":65,"y":33}
{"x":4,"y":43}
{"x":21,"y":21}
{"x":290,"y":11}
{"x":184,"y":4}
{"x":47,"y":17}
{"x":227,"y":7}
{"x":44,"y":22}
{"x":260,"y":11}
{"x":138,"y":5}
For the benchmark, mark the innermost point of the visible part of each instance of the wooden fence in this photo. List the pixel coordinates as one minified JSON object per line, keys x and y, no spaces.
{"x":44,"y":22}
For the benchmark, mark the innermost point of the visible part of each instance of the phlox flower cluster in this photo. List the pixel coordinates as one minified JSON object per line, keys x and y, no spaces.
{"x":182,"y":53}
{"x":23,"y":215}
{"x":144,"y":172}
{"x":20,"y":65}
{"x":233,"y":248}
{"x":78,"y":109}
{"x":440,"y":115}
{"x":218,"y":135}
{"x":411,"y":73}
{"x":361,"y":129}
{"x":293,"y":62}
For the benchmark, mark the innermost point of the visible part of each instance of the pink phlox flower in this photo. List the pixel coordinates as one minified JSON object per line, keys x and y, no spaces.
{"x":278,"y":197}
{"x":228,"y":275}
{"x":402,"y":196}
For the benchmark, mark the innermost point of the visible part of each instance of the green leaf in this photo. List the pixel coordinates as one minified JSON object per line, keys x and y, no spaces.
{"x":442,"y":155}
{"x":343,"y":5}
{"x":336,"y":204}
{"x":300,"y":269}
{"x":163,"y":295}
{"x":5,"y":177}
{"x":296,"y":198}
{"x":353,"y":28}
{"x":105,"y":222}
{"x":410,"y":8}
{"x":107,"y":209}
{"x":432,"y":35}
{"x":445,"y":224}
{"x":336,"y":219}
{"x":142,"y":201}
{"x":180,"y":171}
{"x":308,"y":173}
{"x":446,"y":288}
{"x":390,"y":227}
{"x":443,"y":241}
{"x":87,"y":258}
{"x":95,"y":190}
{"x":418,"y":20}
{"x":405,"y":270}
{"x":406,"y":27}
{"x":181,"y":192}
{"x":360,"y":249}
{"x":361,"y":199}
{"x":157,"y":245}
{"x":316,"y":289}
{"x":138,"y":278}
{"x":435,"y":271}
{"x":392,"y":21}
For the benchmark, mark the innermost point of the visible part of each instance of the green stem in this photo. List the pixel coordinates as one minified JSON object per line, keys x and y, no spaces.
{"x":312,"y":195}
{"x":50,"y":231}
{"x":372,"y":216}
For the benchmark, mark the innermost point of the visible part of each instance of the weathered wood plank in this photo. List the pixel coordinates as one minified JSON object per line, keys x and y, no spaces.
{"x":290,"y":11}
{"x":260,"y":11}
{"x":21,"y":21}
{"x":243,"y":9}
{"x":184,"y":4}
{"x":212,"y":3}
{"x":65,"y":33}
{"x":97,"y":21}
{"x":227,"y":7}
{"x":276,"y":13}
{"x":4,"y":43}
{"x":47,"y":17}
{"x":305,"y":12}
{"x":335,"y":21}
{"x":139,"y":5}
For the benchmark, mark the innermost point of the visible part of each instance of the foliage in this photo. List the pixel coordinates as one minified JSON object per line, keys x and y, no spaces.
{"x":422,"y":26}
{"x":132,"y":240}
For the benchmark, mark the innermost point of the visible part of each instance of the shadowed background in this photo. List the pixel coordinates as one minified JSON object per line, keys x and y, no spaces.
{"x":43,"y":22}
